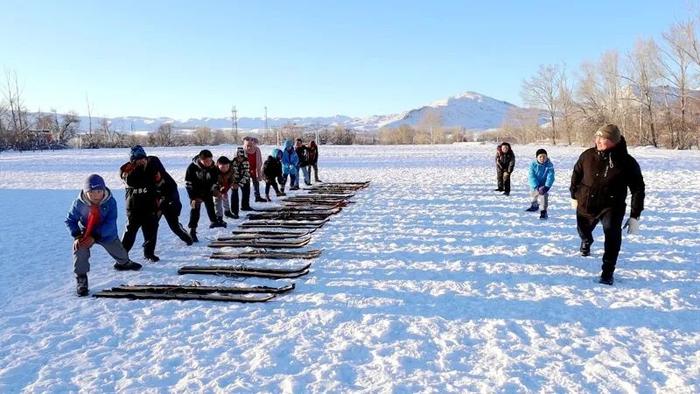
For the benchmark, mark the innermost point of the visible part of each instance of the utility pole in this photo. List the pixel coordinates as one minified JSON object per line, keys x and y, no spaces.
{"x":234,"y":124}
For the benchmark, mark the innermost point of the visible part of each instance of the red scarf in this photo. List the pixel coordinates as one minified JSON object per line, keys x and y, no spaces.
{"x":93,"y":220}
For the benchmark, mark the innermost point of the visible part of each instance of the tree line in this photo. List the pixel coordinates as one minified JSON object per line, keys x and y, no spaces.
{"x":647,"y":91}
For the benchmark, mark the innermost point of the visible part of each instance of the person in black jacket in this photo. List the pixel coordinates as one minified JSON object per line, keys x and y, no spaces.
{"x":313,"y":159}
{"x":141,"y":202}
{"x":598,"y":189}
{"x":272,"y":170}
{"x":303,"y":153}
{"x":201,"y":183}
{"x":505,"y":163}
{"x":169,"y":199}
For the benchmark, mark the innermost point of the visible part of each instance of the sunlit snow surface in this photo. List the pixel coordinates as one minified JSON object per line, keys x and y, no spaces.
{"x":430,"y":281}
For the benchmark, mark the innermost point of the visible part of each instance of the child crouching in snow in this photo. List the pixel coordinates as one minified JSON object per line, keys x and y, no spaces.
{"x":92,"y":219}
{"x":541,"y":178}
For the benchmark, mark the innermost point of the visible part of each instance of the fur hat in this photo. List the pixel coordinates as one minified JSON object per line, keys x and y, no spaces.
{"x":240,"y":152}
{"x":94,"y":182}
{"x":540,"y":151}
{"x":609,"y":131}
{"x":137,"y":153}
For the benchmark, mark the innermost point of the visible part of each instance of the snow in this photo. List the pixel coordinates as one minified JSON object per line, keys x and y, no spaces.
{"x":428,"y":282}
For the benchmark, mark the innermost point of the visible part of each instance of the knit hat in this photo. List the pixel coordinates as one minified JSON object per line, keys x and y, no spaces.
{"x":137,"y":152}
{"x":540,"y":152}
{"x":609,"y":131}
{"x":240,"y":152}
{"x":94,"y":182}
{"x":223,"y":160}
{"x":204,"y":154}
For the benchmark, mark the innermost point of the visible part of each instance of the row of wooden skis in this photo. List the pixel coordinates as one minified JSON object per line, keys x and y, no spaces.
{"x":269,"y":233}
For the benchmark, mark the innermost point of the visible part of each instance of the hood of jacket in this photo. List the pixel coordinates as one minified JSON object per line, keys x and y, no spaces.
{"x":83,"y":197}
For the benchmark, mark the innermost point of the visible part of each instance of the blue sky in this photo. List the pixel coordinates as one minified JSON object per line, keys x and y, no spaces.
{"x":302,"y":58}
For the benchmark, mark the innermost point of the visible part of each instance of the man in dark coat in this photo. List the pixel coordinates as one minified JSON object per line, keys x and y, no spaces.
{"x":313,"y":159}
{"x":169,"y":203}
{"x":201,"y":182}
{"x":598,"y":189}
{"x":141,"y":202}
{"x":505,"y":163}
{"x":303,"y":154}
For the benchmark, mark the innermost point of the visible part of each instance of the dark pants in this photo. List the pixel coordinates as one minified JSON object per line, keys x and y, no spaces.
{"x":271,"y":183}
{"x":503,"y":179}
{"x":245,"y":195}
{"x":194,"y":212}
{"x":292,"y":181}
{"x":256,"y":187}
{"x":612,"y":228}
{"x":171,"y":210}
{"x":314,"y":167}
{"x":234,"y":200}
{"x":148,"y":223}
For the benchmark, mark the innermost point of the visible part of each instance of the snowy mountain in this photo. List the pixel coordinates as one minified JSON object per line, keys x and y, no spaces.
{"x":470,"y":110}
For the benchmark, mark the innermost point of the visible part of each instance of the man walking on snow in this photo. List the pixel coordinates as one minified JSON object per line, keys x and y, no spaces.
{"x":598,"y":189}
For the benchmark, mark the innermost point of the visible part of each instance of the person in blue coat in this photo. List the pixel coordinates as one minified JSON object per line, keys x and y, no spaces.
{"x":92,"y":219}
{"x":541,"y":178}
{"x":290,"y":166}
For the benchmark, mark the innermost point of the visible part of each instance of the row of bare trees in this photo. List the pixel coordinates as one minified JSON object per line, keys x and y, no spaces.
{"x":647,"y":91}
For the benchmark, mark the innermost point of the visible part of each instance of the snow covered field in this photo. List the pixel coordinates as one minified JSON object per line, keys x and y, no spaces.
{"x":429,"y":282}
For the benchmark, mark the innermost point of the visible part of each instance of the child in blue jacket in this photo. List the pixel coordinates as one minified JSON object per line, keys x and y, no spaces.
{"x":91,"y":220}
{"x":290,"y":166}
{"x":541,"y":178}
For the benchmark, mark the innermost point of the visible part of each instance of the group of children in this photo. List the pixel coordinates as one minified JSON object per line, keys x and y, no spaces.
{"x":151,"y":192}
{"x":540,"y":177}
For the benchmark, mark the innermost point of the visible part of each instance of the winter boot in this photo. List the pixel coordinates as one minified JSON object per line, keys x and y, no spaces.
{"x":152,"y":258}
{"x":498,"y":190}
{"x":128,"y":266}
{"x":606,"y":279}
{"x":585,"y":248}
{"x":506,"y":193}
{"x":533,"y":208}
{"x":231,"y":215}
{"x":543,"y":215}
{"x":281,"y":194}
{"x":260,"y":199}
{"x":193,"y":235}
{"x":82,"y":285}
{"x":218,"y":223}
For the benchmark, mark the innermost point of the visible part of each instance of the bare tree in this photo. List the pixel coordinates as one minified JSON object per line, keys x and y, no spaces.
{"x":431,"y":125}
{"x":541,"y":91}
{"x":567,"y":108}
{"x":202,"y":136}
{"x":676,"y":62}
{"x":163,"y":135}
{"x":643,"y":75}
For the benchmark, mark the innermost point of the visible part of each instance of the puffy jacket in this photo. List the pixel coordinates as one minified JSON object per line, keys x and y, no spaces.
{"x":290,"y":160}
{"x":166,"y":187}
{"x":242,"y":167}
{"x":541,"y":174}
{"x":506,"y":160}
{"x":77,"y":218}
{"x":600,"y":181}
{"x":141,"y":191}
{"x":227,"y":179}
{"x":200,"y":182}
{"x":303,"y":154}
{"x":312,"y":151}
{"x":272,"y":169}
